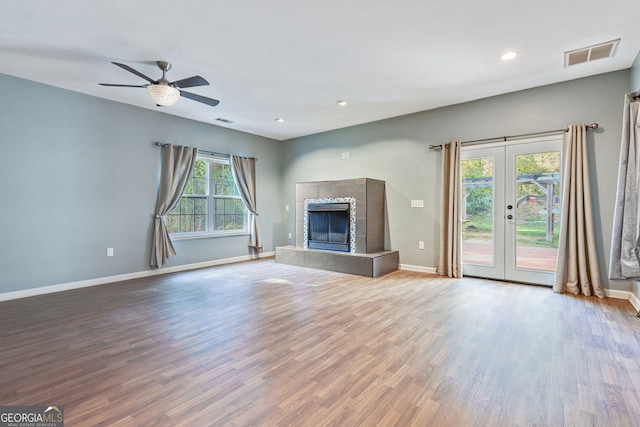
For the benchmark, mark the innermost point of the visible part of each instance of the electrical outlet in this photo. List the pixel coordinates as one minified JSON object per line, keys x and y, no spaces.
{"x":286,"y":208}
{"x":417,"y":203}
{"x":289,"y":235}
{"x":420,"y":244}
{"x":109,"y":251}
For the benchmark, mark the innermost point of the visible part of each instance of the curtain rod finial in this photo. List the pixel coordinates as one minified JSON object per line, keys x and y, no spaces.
{"x":593,"y":126}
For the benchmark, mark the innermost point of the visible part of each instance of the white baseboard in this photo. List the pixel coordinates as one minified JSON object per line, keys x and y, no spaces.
{"x":417,"y":268}
{"x":120,"y":277}
{"x":612,"y":293}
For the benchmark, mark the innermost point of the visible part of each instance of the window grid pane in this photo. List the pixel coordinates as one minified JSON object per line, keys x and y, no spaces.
{"x":197,"y":183}
{"x":190,"y":215}
{"x":222,"y":180}
{"x":229,"y":214}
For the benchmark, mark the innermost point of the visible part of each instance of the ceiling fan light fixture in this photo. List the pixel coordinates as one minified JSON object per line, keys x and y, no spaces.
{"x":164,"y":95}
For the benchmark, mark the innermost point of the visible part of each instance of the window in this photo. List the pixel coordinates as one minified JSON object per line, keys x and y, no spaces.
{"x":210,"y":203}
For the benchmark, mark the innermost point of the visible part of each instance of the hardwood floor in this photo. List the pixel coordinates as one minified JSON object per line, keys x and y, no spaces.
{"x":260,"y":343}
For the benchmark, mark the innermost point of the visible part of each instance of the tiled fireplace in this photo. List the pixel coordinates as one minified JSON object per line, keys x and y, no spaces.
{"x":340,"y":226}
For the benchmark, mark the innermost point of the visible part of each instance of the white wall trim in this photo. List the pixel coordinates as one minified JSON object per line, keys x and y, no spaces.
{"x":417,"y":268}
{"x":6,"y":296}
{"x":612,"y":293}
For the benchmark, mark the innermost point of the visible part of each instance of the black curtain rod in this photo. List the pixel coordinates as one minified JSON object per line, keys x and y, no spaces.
{"x":211,"y":153}
{"x":513,"y":137}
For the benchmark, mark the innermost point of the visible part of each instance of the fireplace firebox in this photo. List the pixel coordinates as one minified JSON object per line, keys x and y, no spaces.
{"x":328,"y":226}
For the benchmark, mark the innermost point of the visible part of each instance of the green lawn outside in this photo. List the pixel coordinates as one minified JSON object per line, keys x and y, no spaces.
{"x":530,"y":233}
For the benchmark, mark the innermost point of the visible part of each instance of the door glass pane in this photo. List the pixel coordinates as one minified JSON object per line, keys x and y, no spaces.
{"x":477,"y":211}
{"x":537,"y":217}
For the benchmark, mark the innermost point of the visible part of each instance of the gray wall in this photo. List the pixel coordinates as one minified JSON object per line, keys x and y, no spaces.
{"x":79,"y":174}
{"x":396,"y":151}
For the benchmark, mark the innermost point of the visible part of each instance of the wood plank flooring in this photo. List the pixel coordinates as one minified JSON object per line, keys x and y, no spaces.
{"x":265,"y":344}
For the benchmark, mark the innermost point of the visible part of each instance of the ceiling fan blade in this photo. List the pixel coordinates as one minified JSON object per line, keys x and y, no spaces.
{"x":200,"y":98}
{"x":190,"y":82}
{"x":136,"y":72}
{"x":118,"y":85}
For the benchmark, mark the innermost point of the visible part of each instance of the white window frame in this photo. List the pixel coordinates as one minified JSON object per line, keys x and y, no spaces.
{"x":211,"y":198}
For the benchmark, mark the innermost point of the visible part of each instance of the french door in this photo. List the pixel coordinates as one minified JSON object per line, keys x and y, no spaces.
{"x":511,"y":210}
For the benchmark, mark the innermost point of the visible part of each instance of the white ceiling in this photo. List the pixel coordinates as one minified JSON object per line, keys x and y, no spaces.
{"x":294,"y":59}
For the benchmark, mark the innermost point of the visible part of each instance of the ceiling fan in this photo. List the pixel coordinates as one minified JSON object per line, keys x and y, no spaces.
{"x":162,"y":91}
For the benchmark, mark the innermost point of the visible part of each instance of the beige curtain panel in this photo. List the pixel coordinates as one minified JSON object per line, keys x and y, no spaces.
{"x":244,"y":172}
{"x":177,"y":165}
{"x":577,"y":268}
{"x":450,"y":255}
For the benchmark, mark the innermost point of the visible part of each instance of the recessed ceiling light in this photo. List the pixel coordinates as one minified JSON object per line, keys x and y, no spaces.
{"x":279,"y":120}
{"x":341,"y":102}
{"x":508,"y":55}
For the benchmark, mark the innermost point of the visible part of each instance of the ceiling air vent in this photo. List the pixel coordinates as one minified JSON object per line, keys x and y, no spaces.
{"x":220,"y":119}
{"x":591,"y":53}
